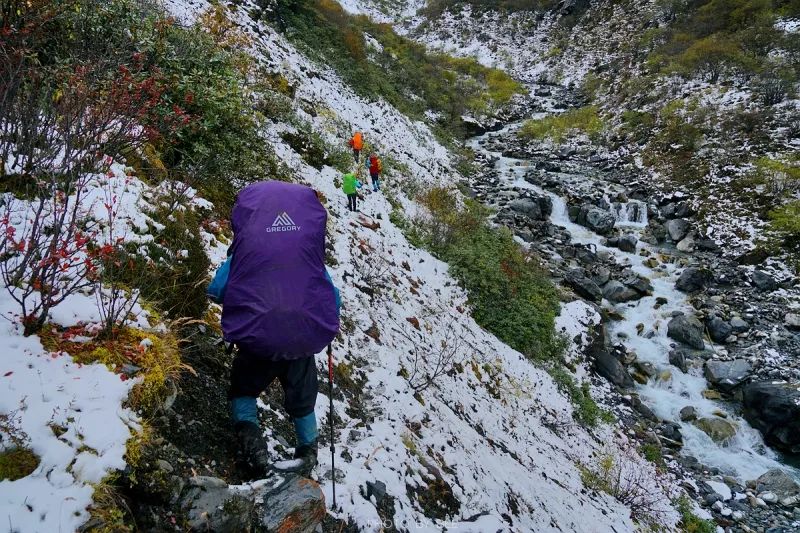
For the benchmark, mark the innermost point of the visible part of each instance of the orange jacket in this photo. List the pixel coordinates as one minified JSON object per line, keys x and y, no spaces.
{"x":357,"y":142}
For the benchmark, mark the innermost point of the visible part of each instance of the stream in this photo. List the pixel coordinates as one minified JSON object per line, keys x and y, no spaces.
{"x":745,"y":456}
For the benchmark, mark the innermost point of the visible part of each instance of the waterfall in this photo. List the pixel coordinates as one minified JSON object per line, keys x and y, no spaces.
{"x":630,"y":213}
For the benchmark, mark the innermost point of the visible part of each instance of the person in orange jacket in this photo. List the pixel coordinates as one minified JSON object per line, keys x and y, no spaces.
{"x":357,"y":144}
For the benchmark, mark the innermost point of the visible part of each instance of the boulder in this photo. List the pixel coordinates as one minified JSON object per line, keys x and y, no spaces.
{"x":718,"y":329}
{"x":677,"y":229}
{"x":582,"y":285}
{"x":739,"y":325}
{"x":687,"y":244}
{"x":527,"y":207}
{"x":598,"y":220}
{"x":692,"y":279}
{"x":616,"y":292}
{"x":727,"y":375}
{"x":792,"y":321}
{"x":688,"y":330}
{"x":719,"y":429}
{"x":637,"y":282}
{"x":778,"y":482}
{"x":688,"y":414}
{"x":763,"y":281}
{"x":610,"y":368}
{"x":774,"y":409}
{"x":627,"y":243}
{"x":677,"y":358}
{"x":289,"y":503}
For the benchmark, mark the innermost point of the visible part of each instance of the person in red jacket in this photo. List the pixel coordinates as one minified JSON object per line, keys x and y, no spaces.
{"x":375,"y":168}
{"x":357,"y":144}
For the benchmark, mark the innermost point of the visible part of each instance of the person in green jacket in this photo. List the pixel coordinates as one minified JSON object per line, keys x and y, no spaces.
{"x":350,"y":186}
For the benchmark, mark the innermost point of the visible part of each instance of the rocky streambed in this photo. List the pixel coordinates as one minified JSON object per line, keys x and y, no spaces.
{"x":702,"y":345}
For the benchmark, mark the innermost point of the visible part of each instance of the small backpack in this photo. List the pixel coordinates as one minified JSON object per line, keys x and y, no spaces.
{"x":279,"y":302}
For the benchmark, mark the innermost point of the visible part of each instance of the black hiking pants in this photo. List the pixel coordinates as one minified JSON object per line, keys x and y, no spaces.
{"x":352,"y":202}
{"x":253,"y":374}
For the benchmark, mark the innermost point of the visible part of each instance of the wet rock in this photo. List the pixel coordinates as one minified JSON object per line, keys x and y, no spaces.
{"x":596,"y":219}
{"x":688,"y":414}
{"x":688,"y":330}
{"x":297,"y":505}
{"x":763,"y":281}
{"x":718,"y":330}
{"x":610,"y":368}
{"x":527,"y":207}
{"x":627,"y":243}
{"x":635,"y":281}
{"x":616,"y":292}
{"x":677,"y":358}
{"x":582,"y":285}
{"x":774,"y":409}
{"x":727,"y":375}
{"x":601,"y":275}
{"x":693,"y":279}
{"x":677,"y":229}
{"x":719,"y":429}
{"x":671,"y":432}
{"x":778,"y":482}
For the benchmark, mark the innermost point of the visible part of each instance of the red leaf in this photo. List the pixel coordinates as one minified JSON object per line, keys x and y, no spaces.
{"x":8,"y":373}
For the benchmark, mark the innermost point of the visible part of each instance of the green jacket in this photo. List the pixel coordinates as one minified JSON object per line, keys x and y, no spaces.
{"x":349,"y":183}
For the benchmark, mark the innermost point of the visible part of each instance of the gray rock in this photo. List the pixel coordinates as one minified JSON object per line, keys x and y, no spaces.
{"x":527,"y":207}
{"x":582,"y":285}
{"x":718,"y":330}
{"x":719,"y":429}
{"x":677,"y":229}
{"x":792,"y":321}
{"x":290,"y":503}
{"x":739,"y":325}
{"x":298,"y":505}
{"x":377,"y":489}
{"x":610,"y":368}
{"x":601,"y":275}
{"x":688,"y":330}
{"x":693,"y":279}
{"x":637,"y":282}
{"x":727,"y":375}
{"x":598,"y":220}
{"x":688,"y":414}
{"x":677,"y":358}
{"x":686,"y":244}
{"x":627,"y":243}
{"x":763,"y":281}
{"x":778,"y":482}
{"x":616,"y":292}
{"x":774,"y":409}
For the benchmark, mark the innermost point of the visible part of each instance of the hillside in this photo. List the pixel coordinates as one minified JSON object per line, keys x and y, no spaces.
{"x":558,"y":313}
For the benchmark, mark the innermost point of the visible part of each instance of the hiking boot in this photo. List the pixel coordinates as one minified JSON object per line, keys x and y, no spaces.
{"x":308,"y":455}
{"x":253,"y":450}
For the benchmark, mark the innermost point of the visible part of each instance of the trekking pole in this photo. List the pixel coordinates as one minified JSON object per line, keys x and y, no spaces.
{"x":330,"y":418}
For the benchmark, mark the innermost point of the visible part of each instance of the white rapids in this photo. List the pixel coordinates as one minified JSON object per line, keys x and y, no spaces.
{"x":745,"y":456}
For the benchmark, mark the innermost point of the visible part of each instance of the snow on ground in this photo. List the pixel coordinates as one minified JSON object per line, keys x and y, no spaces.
{"x":69,"y":414}
{"x":42,"y":392}
{"x":495,"y":429}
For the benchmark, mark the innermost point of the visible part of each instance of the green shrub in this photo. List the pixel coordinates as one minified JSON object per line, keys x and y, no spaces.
{"x":586,"y":411}
{"x":316,"y":151}
{"x":510,"y":295}
{"x":691,"y":523}
{"x":585,"y":120}
{"x":402,"y":72}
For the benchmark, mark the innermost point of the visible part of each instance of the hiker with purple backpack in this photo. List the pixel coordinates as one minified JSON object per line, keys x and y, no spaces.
{"x":280,"y":308}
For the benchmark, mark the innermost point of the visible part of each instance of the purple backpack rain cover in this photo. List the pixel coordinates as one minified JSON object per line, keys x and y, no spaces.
{"x":278,"y":302}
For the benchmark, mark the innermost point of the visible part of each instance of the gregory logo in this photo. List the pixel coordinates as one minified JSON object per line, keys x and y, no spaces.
{"x":283,"y":222}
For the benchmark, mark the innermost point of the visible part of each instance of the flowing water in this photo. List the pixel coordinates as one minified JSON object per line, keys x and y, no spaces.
{"x":745,"y":456}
